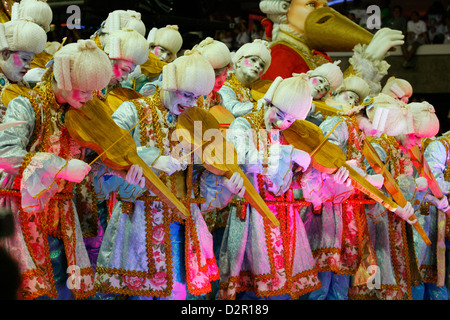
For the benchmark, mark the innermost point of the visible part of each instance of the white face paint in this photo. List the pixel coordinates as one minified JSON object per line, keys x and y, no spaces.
{"x":178,"y":101}
{"x":348,"y":97}
{"x":75,"y":98}
{"x":281,"y":120}
{"x":250,"y":68}
{"x":121,"y":70}
{"x":319,"y":87}
{"x":162,"y":53}
{"x":16,"y":64}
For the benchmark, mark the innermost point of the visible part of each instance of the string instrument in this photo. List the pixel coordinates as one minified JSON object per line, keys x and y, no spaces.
{"x":118,"y":95}
{"x":306,"y":136}
{"x":218,"y":155}
{"x":223,"y":116}
{"x":389,"y":183}
{"x":93,"y":127}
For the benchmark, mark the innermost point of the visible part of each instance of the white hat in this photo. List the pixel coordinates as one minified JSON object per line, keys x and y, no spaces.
{"x":82,"y":66}
{"x":388,"y":115}
{"x":291,"y":95}
{"x":259,"y":48}
{"x":124,"y":19}
{"x":397,"y":88}
{"x":22,"y":35}
{"x":329,"y":71}
{"x":128,"y":45}
{"x":37,"y":11}
{"x":190,"y":72}
{"x":355,"y":84}
{"x":216,"y":52}
{"x":426,"y":123}
{"x":168,"y":37}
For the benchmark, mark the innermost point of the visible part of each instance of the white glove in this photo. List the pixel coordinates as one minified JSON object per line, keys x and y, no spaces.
{"x":406,"y":212}
{"x":421,"y":183}
{"x":302,"y":158}
{"x":135,"y":176}
{"x":383,"y":40}
{"x":235,"y":184}
{"x":341,"y":176}
{"x":74,"y":171}
{"x":167,"y":164}
{"x":441,"y":204}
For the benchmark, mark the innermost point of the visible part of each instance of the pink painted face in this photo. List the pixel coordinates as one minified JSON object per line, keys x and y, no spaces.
{"x":75,"y":98}
{"x":178,"y":101}
{"x":162,"y":53}
{"x":121,"y":70}
{"x":282,"y":120}
{"x":251,"y":67}
{"x":319,"y":87}
{"x":220,"y":80}
{"x":16,"y":64}
{"x":348,"y":97}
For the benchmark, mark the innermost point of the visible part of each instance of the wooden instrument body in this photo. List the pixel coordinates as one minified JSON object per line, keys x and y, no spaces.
{"x":93,"y":127}
{"x":218,"y":155}
{"x":329,"y":157}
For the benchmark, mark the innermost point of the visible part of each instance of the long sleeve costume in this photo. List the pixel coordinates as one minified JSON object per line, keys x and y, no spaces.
{"x":32,"y":155}
{"x":147,"y":249}
{"x":256,"y":257}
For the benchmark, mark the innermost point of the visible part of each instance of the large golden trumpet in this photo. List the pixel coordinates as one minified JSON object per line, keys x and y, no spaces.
{"x":328,"y":30}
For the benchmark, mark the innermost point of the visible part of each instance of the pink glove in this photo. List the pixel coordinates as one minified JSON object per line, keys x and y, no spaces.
{"x":301,"y":158}
{"x":74,"y":171}
{"x":421,"y":183}
{"x":406,"y":212}
{"x":441,"y":204}
{"x":135,"y":176}
{"x":235,"y":184}
{"x":341,"y":176}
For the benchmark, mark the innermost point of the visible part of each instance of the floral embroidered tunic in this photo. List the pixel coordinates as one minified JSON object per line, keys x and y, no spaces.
{"x":391,"y":236}
{"x":32,"y":154}
{"x":254,"y":255}
{"x":137,"y":256}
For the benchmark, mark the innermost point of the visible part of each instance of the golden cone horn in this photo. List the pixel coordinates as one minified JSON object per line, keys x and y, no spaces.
{"x":328,"y":30}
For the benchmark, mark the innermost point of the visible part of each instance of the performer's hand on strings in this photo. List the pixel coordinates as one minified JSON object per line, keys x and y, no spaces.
{"x":135,"y":176}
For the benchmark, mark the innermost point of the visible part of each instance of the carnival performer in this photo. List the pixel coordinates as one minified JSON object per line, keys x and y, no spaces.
{"x":126,"y":49}
{"x":323,"y":81}
{"x":257,"y":260}
{"x":336,"y":224}
{"x":20,"y":40}
{"x":437,"y":154}
{"x":119,"y":20}
{"x":219,"y":56}
{"x":148,"y":252}
{"x":348,"y":95}
{"x":39,"y":12}
{"x":41,"y":165}
{"x":164,"y":45}
{"x":391,"y":234}
{"x":249,"y":62}
{"x":430,"y":210}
